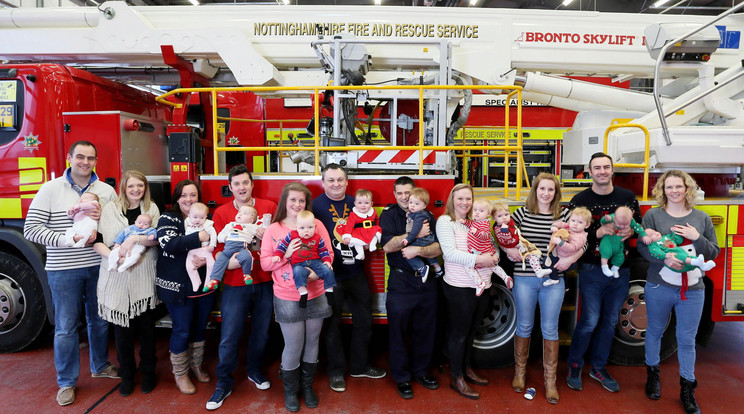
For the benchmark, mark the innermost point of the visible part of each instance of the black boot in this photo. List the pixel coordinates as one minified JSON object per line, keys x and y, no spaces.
{"x":291,"y":387}
{"x":687,"y":395}
{"x":653,"y":386}
{"x":149,"y":380}
{"x":306,"y":381}
{"x":126,"y":387}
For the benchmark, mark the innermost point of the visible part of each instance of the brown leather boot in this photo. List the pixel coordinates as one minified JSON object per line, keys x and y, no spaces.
{"x":197,"y":357}
{"x":461,"y":387}
{"x":521,"y":353}
{"x":473,"y":378}
{"x":550,"y":364}
{"x":180,"y":364}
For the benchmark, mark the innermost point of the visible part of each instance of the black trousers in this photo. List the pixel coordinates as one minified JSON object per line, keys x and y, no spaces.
{"x":355,"y":293}
{"x":411,"y":306}
{"x":141,"y":327}
{"x":465,"y":313}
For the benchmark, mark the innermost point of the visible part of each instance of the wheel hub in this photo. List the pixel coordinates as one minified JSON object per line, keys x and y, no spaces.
{"x":499,"y":325}
{"x":633,"y":319}
{"x":11,"y":304}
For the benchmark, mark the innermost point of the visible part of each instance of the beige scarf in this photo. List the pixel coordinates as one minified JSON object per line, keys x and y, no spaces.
{"x":123,"y":296}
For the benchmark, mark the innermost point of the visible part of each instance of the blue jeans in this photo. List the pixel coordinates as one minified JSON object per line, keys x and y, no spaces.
{"x":601,"y":298}
{"x":528,"y":292}
{"x":660,"y":300}
{"x":189,"y":321}
{"x":71,"y":291}
{"x":223,"y":260}
{"x":300,"y":273}
{"x":418,"y":262}
{"x":237,"y":303}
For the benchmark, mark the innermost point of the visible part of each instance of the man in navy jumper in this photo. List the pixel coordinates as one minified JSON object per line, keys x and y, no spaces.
{"x":351,"y":287}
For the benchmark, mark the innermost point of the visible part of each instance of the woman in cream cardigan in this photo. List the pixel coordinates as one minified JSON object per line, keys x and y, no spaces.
{"x":128,"y":299}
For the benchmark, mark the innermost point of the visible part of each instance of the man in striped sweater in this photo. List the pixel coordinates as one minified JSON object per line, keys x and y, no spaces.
{"x":72,"y":272}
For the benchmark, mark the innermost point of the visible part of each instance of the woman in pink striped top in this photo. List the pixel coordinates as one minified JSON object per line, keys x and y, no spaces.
{"x":465,"y":308}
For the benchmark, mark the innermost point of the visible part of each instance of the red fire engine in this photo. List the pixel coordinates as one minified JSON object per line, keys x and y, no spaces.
{"x":295,"y":53}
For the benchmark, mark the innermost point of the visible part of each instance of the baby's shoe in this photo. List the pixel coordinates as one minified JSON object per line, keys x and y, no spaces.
{"x":211,"y":285}
{"x":543,"y":272}
{"x":508,"y":281}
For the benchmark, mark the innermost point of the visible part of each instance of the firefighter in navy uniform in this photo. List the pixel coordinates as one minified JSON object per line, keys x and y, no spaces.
{"x":409,"y":301}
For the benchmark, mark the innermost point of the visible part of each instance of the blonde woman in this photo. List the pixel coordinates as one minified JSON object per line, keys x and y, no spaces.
{"x":667,"y":289}
{"x":127,"y":299}
{"x":465,"y":308}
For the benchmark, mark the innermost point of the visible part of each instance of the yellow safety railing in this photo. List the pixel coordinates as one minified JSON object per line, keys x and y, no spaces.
{"x":316,"y":90}
{"x":645,"y":164}
{"x":488,"y":154}
{"x":281,"y":123}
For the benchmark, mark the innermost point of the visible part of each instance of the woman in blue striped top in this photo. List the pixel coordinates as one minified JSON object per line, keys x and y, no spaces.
{"x":534,"y":219}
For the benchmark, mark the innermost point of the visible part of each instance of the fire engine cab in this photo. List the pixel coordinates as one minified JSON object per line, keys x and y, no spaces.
{"x":439,"y":94}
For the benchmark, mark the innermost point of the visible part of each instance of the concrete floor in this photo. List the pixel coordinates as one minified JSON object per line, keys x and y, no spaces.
{"x":27,"y":385}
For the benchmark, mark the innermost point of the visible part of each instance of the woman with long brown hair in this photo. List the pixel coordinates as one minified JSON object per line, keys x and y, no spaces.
{"x":188,"y":307}
{"x":534,"y":219}
{"x":300,"y":325}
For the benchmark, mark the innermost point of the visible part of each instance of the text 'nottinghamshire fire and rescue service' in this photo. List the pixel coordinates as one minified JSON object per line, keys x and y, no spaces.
{"x":460,"y":31}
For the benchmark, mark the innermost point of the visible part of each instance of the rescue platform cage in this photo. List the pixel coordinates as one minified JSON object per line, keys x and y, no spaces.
{"x":512,"y":150}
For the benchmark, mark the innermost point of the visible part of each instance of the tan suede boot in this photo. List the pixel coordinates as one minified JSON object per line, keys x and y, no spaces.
{"x":197,"y":356}
{"x":550,"y":364}
{"x":180,"y":364}
{"x":521,"y":353}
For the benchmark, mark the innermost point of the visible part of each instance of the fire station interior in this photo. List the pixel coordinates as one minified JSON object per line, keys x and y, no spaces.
{"x":568,"y":100}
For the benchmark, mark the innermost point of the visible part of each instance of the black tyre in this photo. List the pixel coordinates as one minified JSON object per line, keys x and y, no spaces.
{"x":494,"y":341}
{"x":22,"y":306}
{"x":628,"y":347}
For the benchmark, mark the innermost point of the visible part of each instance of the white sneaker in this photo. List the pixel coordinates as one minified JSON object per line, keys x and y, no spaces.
{"x":261,"y":382}
{"x":543,"y":272}
{"x":550,"y":282}
{"x":424,"y":272}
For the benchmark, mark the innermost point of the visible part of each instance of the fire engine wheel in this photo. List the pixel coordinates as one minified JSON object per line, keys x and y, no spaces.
{"x":22,"y":308}
{"x":494,"y":345}
{"x":630,"y":332}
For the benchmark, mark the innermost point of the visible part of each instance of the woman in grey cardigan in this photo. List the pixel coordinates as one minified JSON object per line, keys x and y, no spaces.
{"x":667,"y":287}
{"x":127,"y":299}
